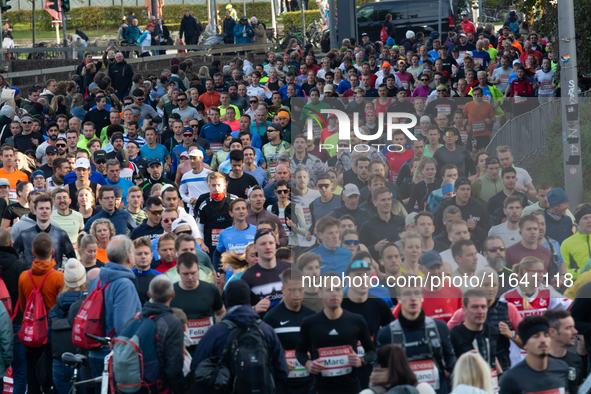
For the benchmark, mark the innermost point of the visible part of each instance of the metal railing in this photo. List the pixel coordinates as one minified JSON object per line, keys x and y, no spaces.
{"x":526,"y":134}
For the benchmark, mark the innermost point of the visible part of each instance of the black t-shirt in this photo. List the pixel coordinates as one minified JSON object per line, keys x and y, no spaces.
{"x":239,"y":186}
{"x":350,"y":177}
{"x":14,"y":211}
{"x":199,"y":303}
{"x":496,"y":203}
{"x":24,"y":142}
{"x":145,"y":230}
{"x":99,"y":118}
{"x":143,"y":283}
{"x":575,"y":369}
{"x":485,"y":341}
{"x":319,"y":332}
{"x":521,"y":378}
{"x":97,"y":264}
{"x":47,"y":170}
{"x":265,"y":282}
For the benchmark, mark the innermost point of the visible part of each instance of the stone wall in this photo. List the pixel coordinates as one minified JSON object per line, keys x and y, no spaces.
{"x":155,"y":67}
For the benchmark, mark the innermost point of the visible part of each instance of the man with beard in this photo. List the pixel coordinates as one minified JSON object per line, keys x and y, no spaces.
{"x":28,"y":139}
{"x":154,"y":168}
{"x":537,"y":372}
{"x":52,"y":134}
{"x":509,"y":230}
{"x":563,"y":334}
{"x":235,"y":99}
{"x":494,"y":251}
{"x":350,"y":197}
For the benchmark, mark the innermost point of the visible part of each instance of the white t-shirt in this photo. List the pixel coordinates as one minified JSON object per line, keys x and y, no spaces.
{"x":509,"y":237}
{"x":447,"y":257}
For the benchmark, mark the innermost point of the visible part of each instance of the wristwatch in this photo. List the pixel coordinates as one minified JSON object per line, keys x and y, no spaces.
{"x":514,"y":334}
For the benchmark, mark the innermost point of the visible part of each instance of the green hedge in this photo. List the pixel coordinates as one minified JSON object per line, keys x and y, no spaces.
{"x":295,"y":18}
{"x":174,"y":13}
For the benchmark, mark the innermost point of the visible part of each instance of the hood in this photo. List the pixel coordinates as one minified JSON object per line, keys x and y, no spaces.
{"x":47,"y":92}
{"x":151,"y":309}
{"x":8,"y":255}
{"x":113,"y":271}
{"x":27,"y":218}
{"x":243,"y":314}
{"x":465,"y":389}
{"x":40,"y":267}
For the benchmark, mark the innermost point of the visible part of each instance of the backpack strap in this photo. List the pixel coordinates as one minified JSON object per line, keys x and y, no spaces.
{"x":42,"y":282}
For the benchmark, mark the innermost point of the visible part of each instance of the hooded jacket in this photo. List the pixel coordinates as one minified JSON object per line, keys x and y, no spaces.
{"x":132,"y":34}
{"x":189,"y":27}
{"x":6,"y":335}
{"x":253,"y":218}
{"x":215,"y":338}
{"x":121,"y":300}
{"x":473,"y":208}
{"x":11,"y":268}
{"x":62,"y":245}
{"x":169,"y":344}
{"x":62,"y":306}
{"x":121,"y":75}
{"x":51,"y":288}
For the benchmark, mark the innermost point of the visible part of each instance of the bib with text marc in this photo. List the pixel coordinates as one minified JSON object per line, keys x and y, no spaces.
{"x":335,"y":361}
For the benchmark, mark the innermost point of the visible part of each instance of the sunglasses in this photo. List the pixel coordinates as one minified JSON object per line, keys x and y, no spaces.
{"x":188,"y":232}
{"x":27,"y":122}
{"x":139,"y":98}
{"x":424,"y":80}
{"x":323,"y":185}
{"x":254,"y":102}
{"x":187,"y":135}
{"x":100,"y":161}
{"x":282,"y":191}
{"x":495,"y":249}
{"x":449,"y":134}
{"x":181,"y":99}
{"x":351,"y":242}
{"x":156,"y":212}
{"x":167,"y":220}
{"x":60,"y":145}
{"x":441,"y":90}
{"x":359,"y":264}
{"x":194,"y":125}
{"x":271,"y":130}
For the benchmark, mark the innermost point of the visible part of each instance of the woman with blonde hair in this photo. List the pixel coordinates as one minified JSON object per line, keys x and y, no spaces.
{"x":59,"y":105}
{"x":203,"y":74}
{"x":412,"y":248}
{"x":103,"y":230}
{"x":235,"y":264}
{"x":472,"y":375}
{"x":87,"y":249}
{"x":424,"y":183}
{"x":24,"y":163}
{"x":87,"y":203}
{"x":77,"y":106}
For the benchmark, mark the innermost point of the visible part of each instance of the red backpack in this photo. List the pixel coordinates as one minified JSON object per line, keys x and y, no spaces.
{"x":34,"y":328}
{"x":384,"y":34}
{"x":90,"y":319}
{"x":5,"y":296}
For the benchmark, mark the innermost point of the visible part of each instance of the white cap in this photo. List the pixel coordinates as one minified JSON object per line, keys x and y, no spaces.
{"x":196,"y":153}
{"x":410,"y":219}
{"x":350,"y":189}
{"x":82,"y":162}
{"x":517,"y":61}
{"x":425,"y":118}
{"x":180,"y":222}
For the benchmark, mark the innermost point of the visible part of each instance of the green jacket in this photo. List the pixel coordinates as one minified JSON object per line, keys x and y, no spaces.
{"x":497,"y":98}
{"x":484,"y":187}
{"x":576,"y":250}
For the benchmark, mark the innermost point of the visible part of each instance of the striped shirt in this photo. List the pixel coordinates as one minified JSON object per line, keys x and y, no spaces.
{"x":194,"y":185}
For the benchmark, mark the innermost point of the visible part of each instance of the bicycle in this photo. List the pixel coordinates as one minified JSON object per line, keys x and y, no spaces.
{"x":75,"y":361}
{"x":314,"y":33}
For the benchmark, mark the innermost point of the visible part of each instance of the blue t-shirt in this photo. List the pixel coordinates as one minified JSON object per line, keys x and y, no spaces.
{"x":484,"y":56}
{"x":236,"y":240}
{"x":343,"y":86}
{"x":159,"y":152}
{"x":283,"y":91}
{"x":256,"y":139}
{"x":95,"y":177}
{"x":124,"y":184}
{"x":260,"y":175}
{"x":213,"y":134}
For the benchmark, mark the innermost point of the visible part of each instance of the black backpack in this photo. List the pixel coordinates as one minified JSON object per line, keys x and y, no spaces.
{"x":243,"y":367}
{"x":82,"y":34}
{"x":61,"y":332}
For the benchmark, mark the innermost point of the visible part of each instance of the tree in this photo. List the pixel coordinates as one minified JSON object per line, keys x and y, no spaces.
{"x":544,"y":15}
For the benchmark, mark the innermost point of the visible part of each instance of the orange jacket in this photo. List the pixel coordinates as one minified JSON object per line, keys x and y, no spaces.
{"x":51,"y":288}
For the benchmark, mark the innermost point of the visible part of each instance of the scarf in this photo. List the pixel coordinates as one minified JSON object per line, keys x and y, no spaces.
{"x":412,"y":324}
{"x":218,"y":196}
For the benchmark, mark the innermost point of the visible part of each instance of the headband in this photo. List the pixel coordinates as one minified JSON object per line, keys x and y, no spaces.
{"x":283,"y":113}
{"x":447,"y":188}
{"x":582,"y":212}
{"x":531,"y":331}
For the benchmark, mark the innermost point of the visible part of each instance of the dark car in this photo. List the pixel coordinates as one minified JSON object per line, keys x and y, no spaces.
{"x":416,"y":15}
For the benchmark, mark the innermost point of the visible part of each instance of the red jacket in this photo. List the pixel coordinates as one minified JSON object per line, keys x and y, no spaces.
{"x":521,"y":88}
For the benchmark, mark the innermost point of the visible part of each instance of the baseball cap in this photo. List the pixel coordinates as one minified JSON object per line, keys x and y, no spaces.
{"x":153,"y":160}
{"x":150,"y":25}
{"x":123,"y":158}
{"x":365,"y":35}
{"x":462,"y":181}
{"x":517,"y":61}
{"x":329,"y":88}
{"x":118,"y":191}
{"x":350,"y":189}
{"x":4,"y":182}
{"x":410,"y":218}
{"x":178,"y":222}
{"x":82,"y":162}
{"x":463,"y":35}
{"x":243,"y":18}
{"x":175,"y":116}
{"x":464,"y":14}
{"x":187,"y":130}
{"x":430,"y":258}
{"x":196,"y":153}
{"x":117,"y":136}
{"x":100,"y":155}
{"x":51,"y":149}
{"x":491,"y":160}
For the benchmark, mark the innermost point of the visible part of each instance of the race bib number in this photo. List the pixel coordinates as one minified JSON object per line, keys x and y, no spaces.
{"x":405,"y":85}
{"x":300,"y":371}
{"x":478,"y":126}
{"x":487,"y":99}
{"x":12,"y":196}
{"x":520,"y":100}
{"x":335,"y":361}
{"x":552,"y":391}
{"x":426,"y":372}
{"x":504,"y":79}
{"x":546,"y":88}
{"x":273,"y":168}
{"x":360,"y":349}
{"x":464,"y":136}
{"x":462,"y":53}
{"x":317,"y":131}
{"x":454,"y":69}
{"x":495,"y":381}
{"x":215,"y":147}
{"x":307,"y":216}
{"x":444,"y":109}
{"x":215,"y":236}
{"x":285,"y":227}
{"x":197,"y":328}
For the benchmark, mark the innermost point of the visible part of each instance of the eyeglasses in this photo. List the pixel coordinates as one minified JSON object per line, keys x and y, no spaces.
{"x":188,"y":232}
{"x":425,"y":80}
{"x":351,"y":242}
{"x":449,"y":134}
{"x":27,"y":122}
{"x":495,"y":249}
{"x":60,"y":145}
{"x":254,"y":102}
{"x":139,"y":98}
{"x":323,"y":185}
{"x":194,"y":125}
{"x":441,"y":90}
{"x":156,"y":212}
{"x":284,"y":191}
{"x":167,"y":220}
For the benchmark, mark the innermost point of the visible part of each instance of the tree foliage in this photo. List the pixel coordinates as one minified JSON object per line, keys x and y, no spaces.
{"x":543,"y":15}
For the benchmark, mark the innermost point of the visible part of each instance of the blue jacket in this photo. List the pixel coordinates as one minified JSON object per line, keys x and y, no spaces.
{"x":558,"y":230}
{"x":238,"y":29}
{"x":95,"y":177}
{"x":333,"y":260}
{"x":121,"y":300}
{"x":132,"y":34}
{"x":214,"y":340}
{"x":122,"y":221}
